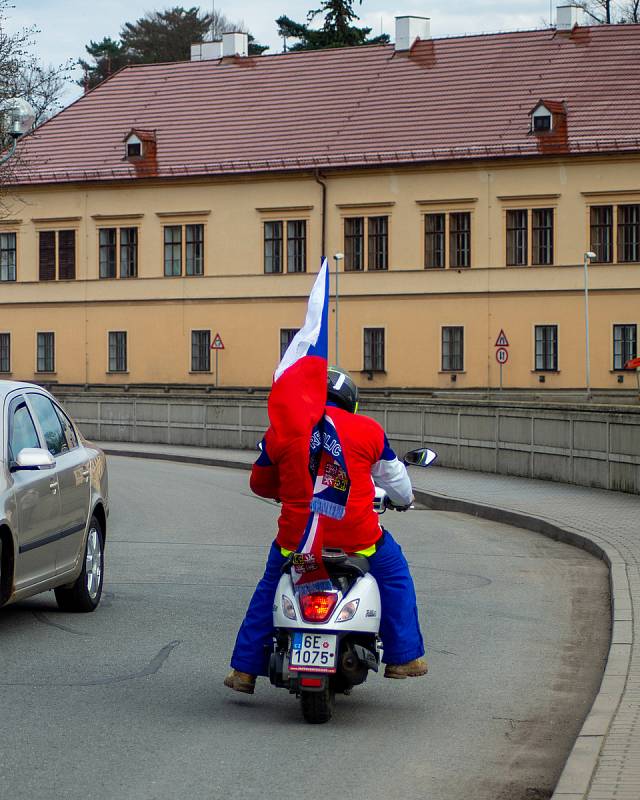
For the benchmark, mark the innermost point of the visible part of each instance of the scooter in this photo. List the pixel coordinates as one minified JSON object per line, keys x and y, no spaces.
{"x":326,"y":643}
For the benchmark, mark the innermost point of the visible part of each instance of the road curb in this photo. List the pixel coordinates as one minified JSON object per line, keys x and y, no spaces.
{"x":581,"y":765}
{"x":182,"y":459}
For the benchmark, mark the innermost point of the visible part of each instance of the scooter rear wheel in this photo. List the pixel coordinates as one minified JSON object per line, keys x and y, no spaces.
{"x":317,"y":707}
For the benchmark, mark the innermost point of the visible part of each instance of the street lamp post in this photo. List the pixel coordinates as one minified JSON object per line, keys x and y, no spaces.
{"x":337,"y":258}
{"x":588,"y":257}
{"x":18,"y":118}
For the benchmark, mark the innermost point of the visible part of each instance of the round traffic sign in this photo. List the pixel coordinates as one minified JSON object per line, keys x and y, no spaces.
{"x":502,"y":355}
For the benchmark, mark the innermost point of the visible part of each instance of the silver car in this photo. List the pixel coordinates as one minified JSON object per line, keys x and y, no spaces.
{"x":53,"y":502}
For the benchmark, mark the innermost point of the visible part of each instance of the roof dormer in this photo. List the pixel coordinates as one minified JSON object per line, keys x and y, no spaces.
{"x":139,"y":143}
{"x":546,"y":116}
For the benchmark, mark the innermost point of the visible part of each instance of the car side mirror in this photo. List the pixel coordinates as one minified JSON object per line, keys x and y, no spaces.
{"x":420,"y":458}
{"x":34,"y":458}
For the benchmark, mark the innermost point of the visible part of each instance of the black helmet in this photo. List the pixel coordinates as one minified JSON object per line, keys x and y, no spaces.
{"x":342,"y":390}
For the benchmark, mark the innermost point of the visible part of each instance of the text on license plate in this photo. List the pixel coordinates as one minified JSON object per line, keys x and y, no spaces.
{"x":313,"y":652}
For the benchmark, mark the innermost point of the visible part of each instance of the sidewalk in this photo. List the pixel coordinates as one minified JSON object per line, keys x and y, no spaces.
{"x":605,"y":761}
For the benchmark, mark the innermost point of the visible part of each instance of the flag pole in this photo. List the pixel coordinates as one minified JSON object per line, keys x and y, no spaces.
{"x":337,"y":258}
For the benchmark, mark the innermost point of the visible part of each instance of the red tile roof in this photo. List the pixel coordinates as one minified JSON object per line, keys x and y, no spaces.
{"x":456,"y":98}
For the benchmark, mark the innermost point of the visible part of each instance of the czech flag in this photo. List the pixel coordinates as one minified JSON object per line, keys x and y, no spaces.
{"x":297,"y":412}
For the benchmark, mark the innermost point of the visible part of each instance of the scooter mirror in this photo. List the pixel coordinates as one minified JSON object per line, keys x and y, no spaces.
{"x":420,"y":458}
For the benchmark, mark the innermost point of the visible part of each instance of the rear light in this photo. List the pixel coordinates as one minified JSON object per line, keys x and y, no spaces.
{"x":288,"y":609}
{"x":317,"y":607}
{"x":315,"y":683}
{"x":348,"y":611}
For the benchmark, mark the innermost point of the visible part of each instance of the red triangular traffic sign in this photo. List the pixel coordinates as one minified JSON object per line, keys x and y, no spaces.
{"x":217,"y":344}
{"x":501,"y":341}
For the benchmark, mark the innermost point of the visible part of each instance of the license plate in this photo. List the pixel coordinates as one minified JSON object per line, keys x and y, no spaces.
{"x":313,"y":652}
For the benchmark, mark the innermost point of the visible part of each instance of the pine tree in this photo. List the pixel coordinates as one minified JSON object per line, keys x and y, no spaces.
{"x":158,"y":37}
{"x":108,"y":56}
{"x":338,"y":29}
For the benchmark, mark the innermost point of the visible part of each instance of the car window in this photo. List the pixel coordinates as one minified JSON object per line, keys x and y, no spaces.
{"x":67,"y":427}
{"x":23,"y":431}
{"x":50,"y":424}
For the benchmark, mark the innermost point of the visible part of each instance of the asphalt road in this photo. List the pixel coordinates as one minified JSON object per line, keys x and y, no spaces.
{"x":128,"y":703}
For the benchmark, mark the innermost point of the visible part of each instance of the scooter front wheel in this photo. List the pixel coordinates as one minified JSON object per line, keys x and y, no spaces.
{"x":317,"y":707}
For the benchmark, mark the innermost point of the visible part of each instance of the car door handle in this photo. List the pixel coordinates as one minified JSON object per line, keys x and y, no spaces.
{"x":85,"y":473}
{"x":53,"y":485}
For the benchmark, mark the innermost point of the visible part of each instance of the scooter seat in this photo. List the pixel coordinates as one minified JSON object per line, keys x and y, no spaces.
{"x":338,"y":563}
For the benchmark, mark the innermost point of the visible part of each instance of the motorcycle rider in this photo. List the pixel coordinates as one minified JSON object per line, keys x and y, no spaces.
{"x":276,"y":475}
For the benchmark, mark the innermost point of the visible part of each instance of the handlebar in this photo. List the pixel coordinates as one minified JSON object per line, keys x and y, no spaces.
{"x":390,"y":505}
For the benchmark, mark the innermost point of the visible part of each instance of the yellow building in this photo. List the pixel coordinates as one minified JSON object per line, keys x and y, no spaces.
{"x":463,"y":179}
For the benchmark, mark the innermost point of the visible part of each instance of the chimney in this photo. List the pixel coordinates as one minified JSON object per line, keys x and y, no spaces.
{"x":410,"y":29}
{"x":568,"y":16}
{"x":206,"y":51}
{"x":235,"y":44}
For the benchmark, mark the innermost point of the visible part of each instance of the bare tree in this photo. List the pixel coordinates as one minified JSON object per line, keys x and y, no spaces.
{"x":606,"y":12}
{"x":600,"y":11}
{"x":631,"y":11}
{"x":22,"y":75}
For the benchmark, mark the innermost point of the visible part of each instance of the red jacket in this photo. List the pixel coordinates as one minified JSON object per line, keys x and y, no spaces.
{"x":284,"y":474}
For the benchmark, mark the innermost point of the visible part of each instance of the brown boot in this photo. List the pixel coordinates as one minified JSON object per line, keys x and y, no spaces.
{"x":240,"y":682}
{"x":412,"y":669}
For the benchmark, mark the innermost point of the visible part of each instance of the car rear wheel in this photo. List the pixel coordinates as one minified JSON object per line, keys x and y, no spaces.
{"x":85,"y":593}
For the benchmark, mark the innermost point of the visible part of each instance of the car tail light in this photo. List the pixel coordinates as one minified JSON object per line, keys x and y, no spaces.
{"x":317,"y":607}
{"x":315,"y":683}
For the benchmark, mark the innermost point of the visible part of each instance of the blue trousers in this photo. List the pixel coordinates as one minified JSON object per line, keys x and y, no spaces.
{"x":399,"y":625}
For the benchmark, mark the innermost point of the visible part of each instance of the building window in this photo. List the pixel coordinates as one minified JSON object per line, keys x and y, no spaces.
{"x":134,"y":149}
{"x":107,"y":238}
{"x":434,"y":239}
{"x":373,"y":350}
{"x":128,"y":252}
{"x":66,"y":255}
{"x":194,"y":255}
{"x":542,"y":236}
{"x":546,"y":348}
{"x":453,"y":228}
{"x":542,"y":123}
{"x":378,"y":228}
{"x":117,"y":351}
{"x":273,"y":247}
{"x":172,"y":250}
{"x":354,"y":244}
{"x":601,"y":224}
{"x":46,"y":352}
{"x":453,"y":348}
{"x":460,"y":239}
{"x":625,"y":344}
{"x":5,"y":352}
{"x":376,"y":254}
{"x":629,"y":233}
{"x":7,"y":256}
{"x":517,"y":237}
{"x":286,"y":337}
{"x":296,"y":245}
{"x":183,"y":244}
{"x":114,"y":241}
{"x":200,"y":351}
{"x":57,"y":255}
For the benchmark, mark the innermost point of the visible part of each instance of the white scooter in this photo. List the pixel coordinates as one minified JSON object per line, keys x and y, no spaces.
{"x":326,"y":643}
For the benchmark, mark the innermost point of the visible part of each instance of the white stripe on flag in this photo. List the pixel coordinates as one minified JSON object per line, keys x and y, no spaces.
{"x":308,"y":335}
{"x":308,"y":545}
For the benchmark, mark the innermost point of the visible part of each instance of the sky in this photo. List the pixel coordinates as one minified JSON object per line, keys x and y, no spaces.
{"x":67,"y":25}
